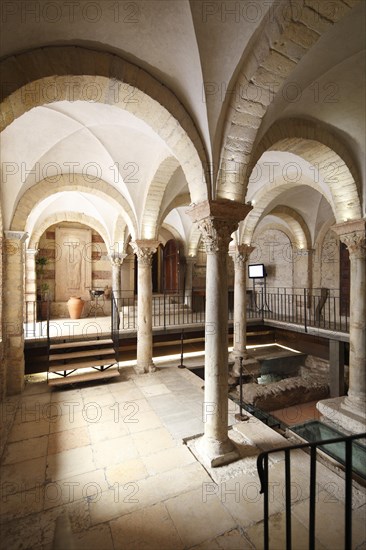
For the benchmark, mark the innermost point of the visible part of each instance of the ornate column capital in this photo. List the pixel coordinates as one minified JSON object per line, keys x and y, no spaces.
{"x":117,"y":259}
{"x":32,"y":251}
{"x":20,"y":236}
{"x":240,"y":255}
{"x":353,"y":235}
{"x":144,"y":250}
{"x":217,"y":220}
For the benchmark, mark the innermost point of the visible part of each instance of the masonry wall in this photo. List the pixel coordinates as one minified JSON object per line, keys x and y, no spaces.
{"x":101,"y":266}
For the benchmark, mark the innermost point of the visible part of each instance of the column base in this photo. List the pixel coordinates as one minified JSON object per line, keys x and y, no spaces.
{"x":250,"y":364}
{"x":215,"y":453}
{"x":345,"y":413}
{"x":145,"y":368}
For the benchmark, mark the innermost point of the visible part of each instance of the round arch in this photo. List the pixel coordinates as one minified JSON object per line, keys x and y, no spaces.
{"x":322,"y":149}
{"x":41,"y":190}
{"x":263,"y":74}
{"x":67,"y":217}
{"x":101,"y":77}
{"x":267,"y":194}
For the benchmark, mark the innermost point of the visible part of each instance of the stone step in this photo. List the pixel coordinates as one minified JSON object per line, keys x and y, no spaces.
{"x":81,"y":343}
{"x":82,"y":364}
{"x":80,"y":354}
{"x":73,"y":379}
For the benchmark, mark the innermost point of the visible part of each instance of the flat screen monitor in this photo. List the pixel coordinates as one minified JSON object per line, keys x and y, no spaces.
{"x":256,"y":271}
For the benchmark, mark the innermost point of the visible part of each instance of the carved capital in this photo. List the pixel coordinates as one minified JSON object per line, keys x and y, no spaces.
{"x":144,"y":250}
{"x":117,"y":259}
{"x":353,"y":234}
{"x":20,"y":236}
{"x":356,"y":244}
{"x":241,"y":255}
{"x":32,"y":252}
{"x":216,"y":234}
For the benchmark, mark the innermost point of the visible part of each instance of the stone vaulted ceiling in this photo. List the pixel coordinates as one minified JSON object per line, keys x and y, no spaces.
{"x":197,"y":51}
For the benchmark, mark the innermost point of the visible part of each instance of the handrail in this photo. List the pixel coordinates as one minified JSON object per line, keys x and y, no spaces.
{"x":262,"y":467}
{"x":115,"y":323}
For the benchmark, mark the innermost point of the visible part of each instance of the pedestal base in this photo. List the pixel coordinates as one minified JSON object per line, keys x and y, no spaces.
{"x":213,"y":453}
{"x":340,"y":411}
{"x":144,"y":369}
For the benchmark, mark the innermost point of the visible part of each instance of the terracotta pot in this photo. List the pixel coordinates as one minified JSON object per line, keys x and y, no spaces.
{"x":75,"y":306}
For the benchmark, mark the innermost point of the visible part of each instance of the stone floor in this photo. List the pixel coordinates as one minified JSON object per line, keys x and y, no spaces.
{"x":112,"y":457}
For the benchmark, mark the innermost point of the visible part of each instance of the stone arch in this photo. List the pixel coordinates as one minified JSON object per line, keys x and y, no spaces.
{"x":322,"y":149}
{"x":72,"y":73}
{"x":69,"y":217}
{"x":287,"y":32}
{"x":296,"y":223}
{"x":119,"y":232}
{"x":41,"y":190}
{"x":267,"y":194}
{"x":275,"y":227}
{"x":149,"y":224}
{"x":194,"y":241}
{"x":180,"y":200}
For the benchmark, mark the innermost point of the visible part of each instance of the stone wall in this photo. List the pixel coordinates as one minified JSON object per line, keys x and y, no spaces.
{"x":273,"y":248}
{"x":101,"y":265}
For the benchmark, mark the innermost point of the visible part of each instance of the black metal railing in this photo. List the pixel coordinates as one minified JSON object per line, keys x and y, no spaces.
{"x":304,"y":308}
{"x":262,"y":467}
{"x":115,"y":323}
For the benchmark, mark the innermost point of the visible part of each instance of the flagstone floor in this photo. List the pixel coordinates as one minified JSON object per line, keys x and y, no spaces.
{"x":112,"y":457}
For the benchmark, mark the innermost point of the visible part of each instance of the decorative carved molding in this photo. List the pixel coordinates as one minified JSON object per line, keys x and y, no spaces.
{"x":144,"y":250}
{"x":241,"y":255}
{"x":216,"y":234}
{"x":16,"y":236}
{"x":353,"y":234}
{"x":117,"y":259}
{"x":356,"y":244}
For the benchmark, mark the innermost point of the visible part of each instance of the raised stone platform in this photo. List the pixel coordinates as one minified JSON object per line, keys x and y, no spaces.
{"x":338,"y":411}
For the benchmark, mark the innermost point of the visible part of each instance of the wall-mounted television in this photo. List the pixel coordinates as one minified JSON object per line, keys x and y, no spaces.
{"x":256,"y":271}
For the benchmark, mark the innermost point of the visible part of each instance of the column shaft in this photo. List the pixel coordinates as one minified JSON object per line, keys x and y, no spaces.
{"x":217,"y":220}
{"x":13,"y":334}
{"x":144,"y":251}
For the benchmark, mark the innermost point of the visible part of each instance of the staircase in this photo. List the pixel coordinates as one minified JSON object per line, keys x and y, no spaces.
{"x":68,"y":357}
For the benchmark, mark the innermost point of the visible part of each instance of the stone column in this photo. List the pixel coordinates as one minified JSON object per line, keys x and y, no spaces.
{"x":190,"y":261}
{"x":217,"y":220}
{"x":30,"y":307}
{"x":13,"y":292}
{"x":240,"y":258}
{"x":356,"y":244}
{"x":144,"y":250}
{"x":350,"y":412}
{"x":117,"y":261}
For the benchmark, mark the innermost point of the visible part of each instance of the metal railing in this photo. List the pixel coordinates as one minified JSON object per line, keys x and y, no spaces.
{"x":178,"y":309}
{"x":115,"y":323}
{"x":262,"y":467}
{"x":303,"y":308}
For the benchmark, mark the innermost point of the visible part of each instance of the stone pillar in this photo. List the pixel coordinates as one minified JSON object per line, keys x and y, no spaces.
{"x":13,"y":292}
{"x":144,"y":250}
{"x":117,"y":261}
{"x":356,"y":245}
{"x":240,"y":258}
{"x":190,"y":261}
{"x":336,"y":368}
{"x":217,"y":220}
{"x":30,"y":306}
{"x":350,"y":412}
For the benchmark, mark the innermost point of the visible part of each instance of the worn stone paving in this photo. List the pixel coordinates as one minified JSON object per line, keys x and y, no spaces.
{"x":112,"y":456}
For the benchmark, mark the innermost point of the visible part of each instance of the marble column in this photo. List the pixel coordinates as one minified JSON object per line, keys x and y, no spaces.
{"x":117,"y":261}
{"x":13,"y":293}
{"x":144,"y":250}
{"x":217,"y":220}
{"x":240,"y":258}
{"x":350,"y":412}
{"x":190,"y":261}
{"x":30,"y":310}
